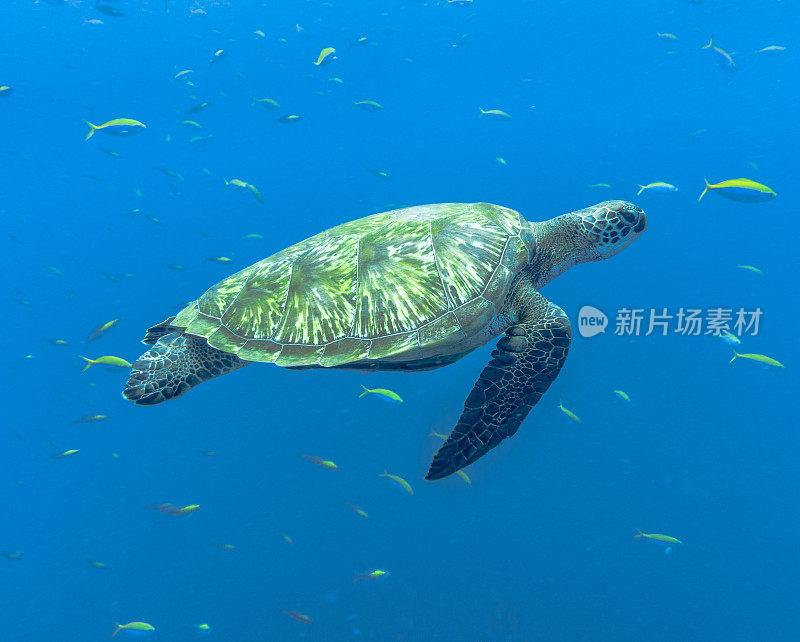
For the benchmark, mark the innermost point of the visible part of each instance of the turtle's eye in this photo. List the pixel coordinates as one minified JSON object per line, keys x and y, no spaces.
{"x":630,"y":216}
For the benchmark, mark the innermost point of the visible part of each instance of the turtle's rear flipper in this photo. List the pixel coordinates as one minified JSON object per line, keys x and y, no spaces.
{"x":175,"y":363}
{"x":524,"y":364}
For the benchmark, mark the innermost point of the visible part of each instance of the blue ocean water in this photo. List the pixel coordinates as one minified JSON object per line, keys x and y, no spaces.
{"x":540,"y":546}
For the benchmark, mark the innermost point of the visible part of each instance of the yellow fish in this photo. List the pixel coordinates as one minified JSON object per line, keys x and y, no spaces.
{"x":386,"y":394}
{"x":66,"y":453}
{"x":117,"y":127}
{"x":300,"y":617}
{"x":757,"y":357}
{"x":666,"y":540}
{"x":288,"y":118}
{"x":657,"y":187}
{"x":325,"y":56}
{"x":269,"y":103}
{"x":359,"y":511}
{"x":751,"y":269}
{"x":101,"y":329}
{"x":368,"y":105}
{"x":172,"y":509}
{"x":495,"y":113}
{"x":371,"y":575}
{"x":399,"y":481}
{"x":569,"y":413}
{"x":106,"y":360}
{"x":319,"y":461}
{"x":623,"y":394}
{"x":724,"y":58}
{"x":772,"y":49}
{"x":741,"y":189}
{"x":133,"y":626}
{"x":90,"y":418}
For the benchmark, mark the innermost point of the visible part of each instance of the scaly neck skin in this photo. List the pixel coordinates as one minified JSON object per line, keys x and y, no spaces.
{"x":560,"y":244}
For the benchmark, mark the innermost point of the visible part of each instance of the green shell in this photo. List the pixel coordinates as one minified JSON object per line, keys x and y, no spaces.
{"x":399,"y":285}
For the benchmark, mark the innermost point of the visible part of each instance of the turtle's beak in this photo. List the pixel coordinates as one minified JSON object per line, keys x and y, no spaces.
{"x":641,"y":226}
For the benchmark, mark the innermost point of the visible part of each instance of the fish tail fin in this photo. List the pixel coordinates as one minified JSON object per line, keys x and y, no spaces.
{"x":483,"y":111}
{"x":89,"y":364}
{"x":639,"y":533}
{"x":366,"y":391}
{"x":710,"y":43}
{"x":641,"y":189}
{"x":117,"y":630}
{"x":92,"y":130}
{"x":708,"y":186}
{"x":735,"y":355}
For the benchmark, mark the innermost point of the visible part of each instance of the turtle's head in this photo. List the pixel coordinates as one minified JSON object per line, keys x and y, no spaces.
{"x":610,"y":227}
{"x":592,"y":234}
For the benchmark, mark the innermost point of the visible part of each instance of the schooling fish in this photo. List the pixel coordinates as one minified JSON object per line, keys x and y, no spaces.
{"x":371,"y":575}
{"x":105,"y":360}
{"x":117,"y":127}
{"x":368,"y":105}
{"x":724,"y":59}
{"x":101,"y":329}
{"x":769,"y":361}
{"x":269,"y":103}
{"x":136,"y":627}
{"x":66,"y":453}
{"x":772,"y":49}
{"x":730,"y":339}
{"x":657,"y":187}
{"x":382,"y":392}
{"x":300,"y":617}
{"x":569,"y":413}
{"x":402,"y":483}
{"x":288,"y":118}
{"x":320,"y":461}
{"x":741,"y":189}
{"x":666,"y":540}
{"x":495,"y":113}
{"x":325,"y":56}
{"x":751,"y":268}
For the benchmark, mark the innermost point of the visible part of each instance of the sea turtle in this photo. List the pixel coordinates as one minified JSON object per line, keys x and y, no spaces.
{"x":411,"y":289}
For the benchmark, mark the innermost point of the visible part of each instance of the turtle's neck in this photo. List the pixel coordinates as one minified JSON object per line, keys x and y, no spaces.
{"x":559,"y":246}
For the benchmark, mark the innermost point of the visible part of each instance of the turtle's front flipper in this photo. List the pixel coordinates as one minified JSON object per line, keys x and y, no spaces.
{"x":524,"y":364}
{"x":175,"y":363}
